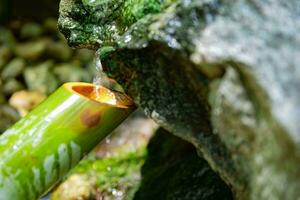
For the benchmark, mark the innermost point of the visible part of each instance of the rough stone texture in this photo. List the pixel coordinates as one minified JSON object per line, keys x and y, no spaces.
{"x":222,"y":74}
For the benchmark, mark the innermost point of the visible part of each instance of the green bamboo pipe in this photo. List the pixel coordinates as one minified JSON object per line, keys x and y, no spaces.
{"x":43,"y":146}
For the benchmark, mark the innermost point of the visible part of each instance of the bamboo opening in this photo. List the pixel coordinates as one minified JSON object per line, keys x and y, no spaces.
{"x":101,"y":94}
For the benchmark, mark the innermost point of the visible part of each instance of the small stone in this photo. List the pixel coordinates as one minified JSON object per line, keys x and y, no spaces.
{"x":8,"y":116}
{"x":40,"y":78}
{"x":7,"y":38}
{"x":5,"y":55}
{"x":32,"y":50}
{"x":2,"y":99}
{"x":71,"y":72}
{"x":50,"y":25}
{"x":11,"y":86}
{"x":31,"y":30}
{"x":85,"y":55}
{"x":24,"y":101}
{"x":13,"y":68}
{"x":59,"y":51}
{"x":15,"y":25}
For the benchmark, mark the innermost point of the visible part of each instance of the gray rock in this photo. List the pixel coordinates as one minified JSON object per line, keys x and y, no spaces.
{"x":223,"y":75}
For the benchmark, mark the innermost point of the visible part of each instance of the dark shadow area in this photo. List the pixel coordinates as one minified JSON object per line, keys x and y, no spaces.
{"x":36,"y":10}
{"x":173,"y":170}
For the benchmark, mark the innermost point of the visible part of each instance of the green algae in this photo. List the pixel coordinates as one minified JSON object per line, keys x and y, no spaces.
{"x":116,"y":177}
{"x":110,"y":20}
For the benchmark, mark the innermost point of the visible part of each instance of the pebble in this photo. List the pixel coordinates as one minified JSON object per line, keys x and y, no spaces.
{"x":39,"y":78}
{"x":13,"y":69}
{"x":24,"y":101}
{"x":11,"y":86}
{"x":5,"y":55}
{"x":32,"y":50}
{"x":34,"y":61}
{"x":8,"y":116}
{"x":59,"y":51}
{"x":71,"y":72}
{"x":31,"y":30}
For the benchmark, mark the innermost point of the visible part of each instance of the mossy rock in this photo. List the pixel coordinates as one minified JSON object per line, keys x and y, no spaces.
{"x":223,"y":75}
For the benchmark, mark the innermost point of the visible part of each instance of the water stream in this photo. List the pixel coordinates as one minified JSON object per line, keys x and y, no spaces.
{"x":100,"y":78}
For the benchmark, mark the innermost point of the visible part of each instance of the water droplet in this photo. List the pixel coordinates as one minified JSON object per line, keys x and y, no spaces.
{"x":127,"y":38}
{"x":117,"y":193}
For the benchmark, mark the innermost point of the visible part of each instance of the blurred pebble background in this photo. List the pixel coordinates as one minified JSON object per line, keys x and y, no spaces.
{"x":34,"y":60}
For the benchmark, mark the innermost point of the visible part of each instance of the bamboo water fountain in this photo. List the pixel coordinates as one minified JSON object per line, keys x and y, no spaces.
{"x":43,"y":146}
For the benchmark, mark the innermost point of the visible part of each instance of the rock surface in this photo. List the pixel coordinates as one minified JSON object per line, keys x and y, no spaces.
{"x":221,"y":74}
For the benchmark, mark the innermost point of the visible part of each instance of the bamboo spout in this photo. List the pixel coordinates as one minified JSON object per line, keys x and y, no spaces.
{"x":43,"y":146}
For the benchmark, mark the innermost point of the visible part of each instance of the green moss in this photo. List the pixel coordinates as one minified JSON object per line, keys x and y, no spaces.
{"x":118,"y":173}
{"x":107,"y":21}
{"x":136,"y":9}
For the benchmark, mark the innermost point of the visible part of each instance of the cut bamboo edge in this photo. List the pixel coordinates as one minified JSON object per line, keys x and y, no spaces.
{"x":39,"y":150}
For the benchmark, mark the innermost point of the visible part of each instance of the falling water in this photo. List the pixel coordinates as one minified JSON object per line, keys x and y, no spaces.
{"x":101,"y":78}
